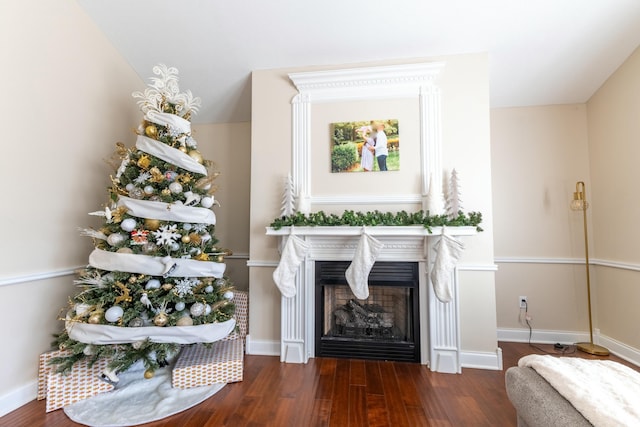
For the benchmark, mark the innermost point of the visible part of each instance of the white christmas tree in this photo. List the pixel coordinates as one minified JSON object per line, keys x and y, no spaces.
{"x":453,"y":203}
{"x":434,"y":203}
{"x":155,"y":279}
{"x":288,"y":198}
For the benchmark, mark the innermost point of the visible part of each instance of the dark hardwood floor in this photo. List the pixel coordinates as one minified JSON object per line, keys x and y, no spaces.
{"x":340,"y":392}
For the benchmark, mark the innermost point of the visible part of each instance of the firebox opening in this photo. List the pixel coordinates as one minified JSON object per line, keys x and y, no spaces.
{"x":385,"y":326}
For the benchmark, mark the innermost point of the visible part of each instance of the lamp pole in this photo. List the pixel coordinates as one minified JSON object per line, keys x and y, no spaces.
{"x":580,"y":203}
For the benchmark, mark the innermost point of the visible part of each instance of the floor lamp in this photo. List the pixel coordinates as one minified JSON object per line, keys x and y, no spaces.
{"x":579,"y":203}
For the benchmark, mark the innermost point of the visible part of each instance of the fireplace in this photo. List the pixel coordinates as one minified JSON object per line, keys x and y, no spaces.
{"x":437,"y":334}
{"x":385,"y":326}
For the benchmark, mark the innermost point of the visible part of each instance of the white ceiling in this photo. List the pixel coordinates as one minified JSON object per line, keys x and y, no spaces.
{"x":541,"y":52}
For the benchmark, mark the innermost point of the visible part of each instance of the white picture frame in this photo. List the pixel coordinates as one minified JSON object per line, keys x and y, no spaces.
{"x":417,"y":81}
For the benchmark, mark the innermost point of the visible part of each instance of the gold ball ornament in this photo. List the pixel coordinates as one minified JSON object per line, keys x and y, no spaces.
{"x":220,"y":258}
{"x":148,"y":374}
{"x":125,"y":251}
{"x":195,"y":238}
{"x":152,"y":224}
{"x":185,"y":239}
{"x":160,"y":319}
{"x":144,"y":161}
{"x":185,"y":321}
{"x":151,"y":131}
{"x":183,"y":149}
{"x":167,"y":286}
{"x":95,"y":318}
{"x":195,"y":155}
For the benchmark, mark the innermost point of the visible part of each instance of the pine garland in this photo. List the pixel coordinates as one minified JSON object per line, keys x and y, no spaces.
{"x":377,"y":218}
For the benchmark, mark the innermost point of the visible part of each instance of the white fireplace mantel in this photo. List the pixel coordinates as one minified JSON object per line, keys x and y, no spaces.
{"x":439,"y":322}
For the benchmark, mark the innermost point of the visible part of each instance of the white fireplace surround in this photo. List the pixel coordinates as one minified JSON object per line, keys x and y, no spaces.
{"x":439,"y":322}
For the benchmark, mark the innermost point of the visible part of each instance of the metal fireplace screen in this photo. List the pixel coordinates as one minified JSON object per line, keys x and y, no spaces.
{"x":385,"y":326}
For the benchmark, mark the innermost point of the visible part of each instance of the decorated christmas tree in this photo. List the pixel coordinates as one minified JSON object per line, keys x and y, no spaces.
{"x":155,"y":280}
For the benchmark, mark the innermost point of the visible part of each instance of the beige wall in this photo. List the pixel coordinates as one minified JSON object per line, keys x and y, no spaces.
{"x":229,"y":146}
{"x":538,"y":153}
{"x":464,"y":83}
{"x":613,"y":114}
{"x":66,"y":102}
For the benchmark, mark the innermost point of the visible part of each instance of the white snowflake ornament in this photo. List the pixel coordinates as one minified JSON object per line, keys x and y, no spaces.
{"x":142,"y":178}
{"x":167,"y":235}
{"x":185,"y":286}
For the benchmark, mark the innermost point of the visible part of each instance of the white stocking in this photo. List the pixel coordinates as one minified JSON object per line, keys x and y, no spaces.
{"x":448,"y":251}
{"x":358,"y":272}
{"x":295,"y":250}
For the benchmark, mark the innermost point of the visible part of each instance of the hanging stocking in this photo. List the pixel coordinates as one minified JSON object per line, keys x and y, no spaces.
{"x":293,"y":254}
{"x":448,"y":251}
{"x":358,"y":272}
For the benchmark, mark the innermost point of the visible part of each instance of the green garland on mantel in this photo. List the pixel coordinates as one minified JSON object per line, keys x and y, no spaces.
{"x":355,"y":219}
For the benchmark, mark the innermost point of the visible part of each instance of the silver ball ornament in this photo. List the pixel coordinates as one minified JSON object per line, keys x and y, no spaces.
{"x":175,"y":187}
{"x":136,"y":193}
{"x":136,"y":322}
{"x":115,"y":239}
{"x":228,"y":295}
{"x":128,"y":224}
{"x":152,"y":284}
{"x":206,"y":202}
{"x":197,"y":309}
{"x":149,"y":247}
{"x":179,"y":306}
{"x":149,"y":189}
{"x":113,"y":314}
{"x":208,"y":289}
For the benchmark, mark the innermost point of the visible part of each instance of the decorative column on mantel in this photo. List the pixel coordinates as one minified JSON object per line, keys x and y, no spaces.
{"x":439,"y":322}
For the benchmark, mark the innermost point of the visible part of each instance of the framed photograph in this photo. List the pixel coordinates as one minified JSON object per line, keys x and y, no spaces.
{"x":365,"y":146}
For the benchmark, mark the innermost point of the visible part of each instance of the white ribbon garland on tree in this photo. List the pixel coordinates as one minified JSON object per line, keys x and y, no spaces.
{"x":167,"y":211}
{"x":169,"y":154}
{"x":170,"y":120}
{"x":155,"y":266}
{"x":107,"y":334}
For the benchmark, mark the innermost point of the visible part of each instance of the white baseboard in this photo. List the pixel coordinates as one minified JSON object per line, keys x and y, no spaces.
{"x":18,"y":397}
{"x":541,"y":336}
{"x":468,"y":359}
{"x":623,"y":351}
{"x":263,"y":347}
{"x":482,"y":360}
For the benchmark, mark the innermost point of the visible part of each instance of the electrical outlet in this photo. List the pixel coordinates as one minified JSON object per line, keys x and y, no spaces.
{"x":522,"y":301}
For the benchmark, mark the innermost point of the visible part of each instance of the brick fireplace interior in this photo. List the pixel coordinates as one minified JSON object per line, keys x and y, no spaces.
{"x":385,"y":326}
